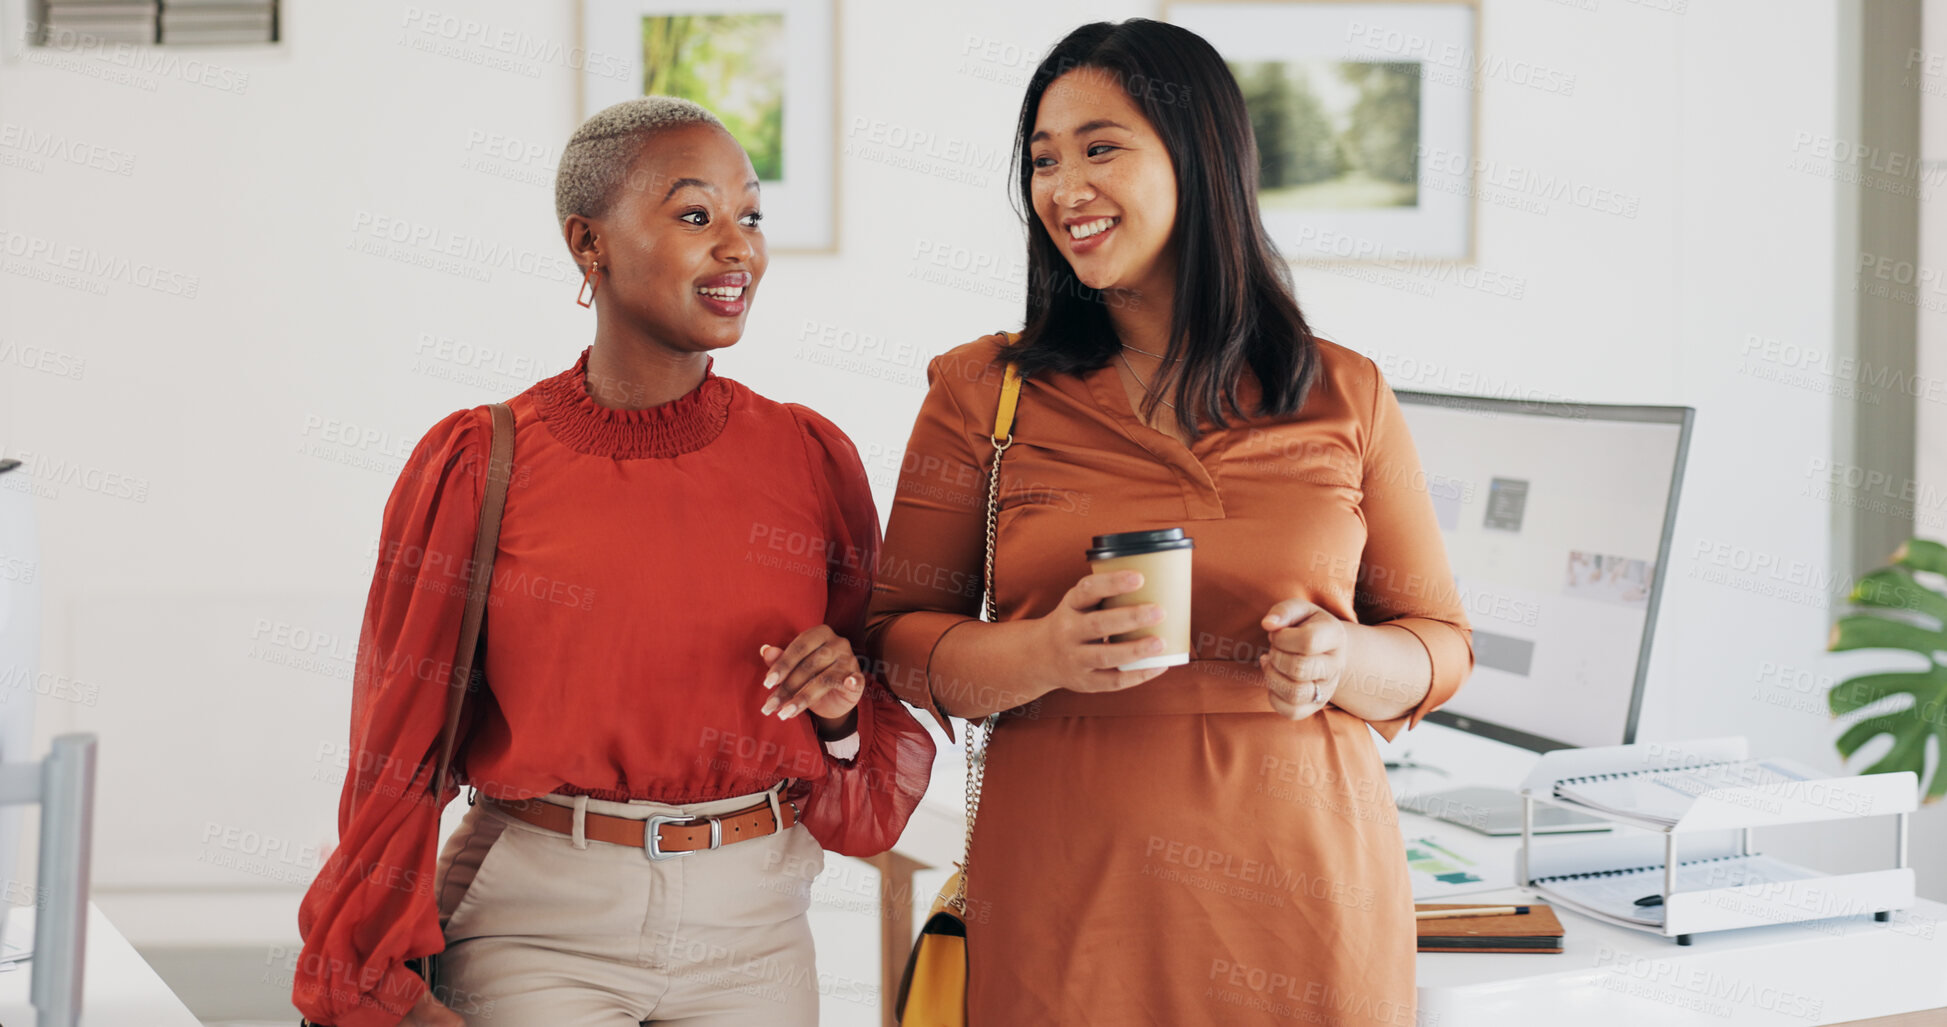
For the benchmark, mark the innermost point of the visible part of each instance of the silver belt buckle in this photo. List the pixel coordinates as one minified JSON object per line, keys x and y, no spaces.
{"x":652,"y":836}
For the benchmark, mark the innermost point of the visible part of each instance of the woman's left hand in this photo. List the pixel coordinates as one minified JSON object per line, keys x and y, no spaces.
{"x":816,"y":672}
{"x":1306,"y":660}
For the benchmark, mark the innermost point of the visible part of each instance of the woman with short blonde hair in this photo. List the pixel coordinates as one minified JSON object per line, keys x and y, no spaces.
{"x":675,"y":726}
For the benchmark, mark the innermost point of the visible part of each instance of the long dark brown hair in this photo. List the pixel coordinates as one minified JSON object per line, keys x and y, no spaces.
{"x":1233,"y":302}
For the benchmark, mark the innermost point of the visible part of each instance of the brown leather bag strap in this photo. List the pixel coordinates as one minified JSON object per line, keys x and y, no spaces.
{"x":500,"y":466}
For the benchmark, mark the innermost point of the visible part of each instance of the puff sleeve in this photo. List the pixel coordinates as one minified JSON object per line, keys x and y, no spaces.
{"x":372,"y":905}
{"x":861,"y":804}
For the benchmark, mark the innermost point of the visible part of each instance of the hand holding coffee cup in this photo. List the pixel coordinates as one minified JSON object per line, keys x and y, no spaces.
{"x":1306,"y":659}
{"x":1069,"y":652}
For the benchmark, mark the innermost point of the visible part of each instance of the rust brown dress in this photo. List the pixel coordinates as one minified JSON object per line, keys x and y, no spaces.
{"x":1176,"y":853}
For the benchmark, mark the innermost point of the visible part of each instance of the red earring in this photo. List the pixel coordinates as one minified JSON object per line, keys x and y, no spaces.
{"x":588,"y":284}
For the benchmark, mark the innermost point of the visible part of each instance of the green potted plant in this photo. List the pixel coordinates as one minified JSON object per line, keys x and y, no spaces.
{"x":1902,"y":613}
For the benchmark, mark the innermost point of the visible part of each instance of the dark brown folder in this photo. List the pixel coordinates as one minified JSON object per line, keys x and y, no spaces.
{"x":1534,"y":931}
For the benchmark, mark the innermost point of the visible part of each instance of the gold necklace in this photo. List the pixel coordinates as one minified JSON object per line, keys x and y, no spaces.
{"x":1145,"y":385}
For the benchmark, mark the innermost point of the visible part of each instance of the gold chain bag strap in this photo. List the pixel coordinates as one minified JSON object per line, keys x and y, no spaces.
{"x":933,"y":990}
{"x":466,"y":668}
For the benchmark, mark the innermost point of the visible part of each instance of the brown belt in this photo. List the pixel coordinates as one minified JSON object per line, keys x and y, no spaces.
{"x":662,"y":836}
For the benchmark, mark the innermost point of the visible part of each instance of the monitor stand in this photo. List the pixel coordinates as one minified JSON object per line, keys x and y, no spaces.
{"x":1496,"y":811}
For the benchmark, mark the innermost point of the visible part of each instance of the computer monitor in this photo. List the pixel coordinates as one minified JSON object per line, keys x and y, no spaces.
{"x":1557,"y":521}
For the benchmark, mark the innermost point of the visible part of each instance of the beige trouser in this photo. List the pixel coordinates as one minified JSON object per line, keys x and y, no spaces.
{"x":543,"y":930}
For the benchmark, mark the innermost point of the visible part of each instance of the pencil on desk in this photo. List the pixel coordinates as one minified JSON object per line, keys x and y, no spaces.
{"x":1439,"y":914}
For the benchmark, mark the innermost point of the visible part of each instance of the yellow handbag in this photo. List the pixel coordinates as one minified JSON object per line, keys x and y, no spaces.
{"x":933,"y":990}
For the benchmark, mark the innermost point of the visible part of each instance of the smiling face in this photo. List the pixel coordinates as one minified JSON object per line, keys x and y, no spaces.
{"x":682,"y":251}
{"x":1103,"y":184}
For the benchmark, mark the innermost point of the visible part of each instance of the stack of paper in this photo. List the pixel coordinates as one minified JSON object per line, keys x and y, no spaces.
{"x":1621,"y":893}
{"x":1664,"y":796}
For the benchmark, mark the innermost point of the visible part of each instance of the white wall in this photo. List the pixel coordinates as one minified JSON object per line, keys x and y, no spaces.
{"x":1930,"y":455}
{"x":177,"y":609}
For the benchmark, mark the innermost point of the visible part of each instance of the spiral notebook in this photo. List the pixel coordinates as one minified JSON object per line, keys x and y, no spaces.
{"x":1616,"y":892}
{"x":1664,"y":795}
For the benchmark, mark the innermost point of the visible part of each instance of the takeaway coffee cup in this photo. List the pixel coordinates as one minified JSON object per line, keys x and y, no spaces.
{"x":1163,"y":559}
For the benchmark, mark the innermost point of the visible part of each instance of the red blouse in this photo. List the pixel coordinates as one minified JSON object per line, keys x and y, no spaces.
{"x":644,"y":557}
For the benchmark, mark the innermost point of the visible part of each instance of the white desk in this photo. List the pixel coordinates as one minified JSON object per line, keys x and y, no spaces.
{"x":1808,"y":974}
{"x":1822,"y":972}
{"x":119,"y":990}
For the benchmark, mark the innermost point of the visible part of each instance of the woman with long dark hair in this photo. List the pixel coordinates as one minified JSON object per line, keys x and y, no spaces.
{"x":1213,"y":842}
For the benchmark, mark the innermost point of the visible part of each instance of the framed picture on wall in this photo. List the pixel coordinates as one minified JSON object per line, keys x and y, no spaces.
{"x":767,"y":68}
{"x":1364,"y":115}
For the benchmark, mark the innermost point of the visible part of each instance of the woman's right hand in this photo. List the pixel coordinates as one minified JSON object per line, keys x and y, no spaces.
{"x":1067,"y":651}
{"x":427,"y":1012}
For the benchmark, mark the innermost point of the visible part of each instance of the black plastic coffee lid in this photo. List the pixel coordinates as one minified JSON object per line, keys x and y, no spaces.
{"x":1133,"y":543}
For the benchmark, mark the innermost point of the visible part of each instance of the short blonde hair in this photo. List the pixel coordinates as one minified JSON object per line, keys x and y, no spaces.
{"x":599,"y":155}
